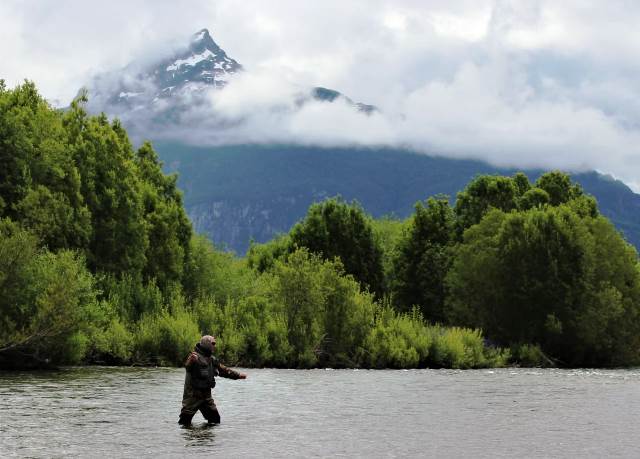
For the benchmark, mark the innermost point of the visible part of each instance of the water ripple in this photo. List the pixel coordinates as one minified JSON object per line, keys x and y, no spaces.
{"x":130,"y":412}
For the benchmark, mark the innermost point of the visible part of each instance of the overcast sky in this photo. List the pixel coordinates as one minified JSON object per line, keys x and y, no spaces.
{"x":518,"y":83}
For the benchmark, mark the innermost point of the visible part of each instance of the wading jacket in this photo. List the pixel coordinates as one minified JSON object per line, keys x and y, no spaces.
{"x":201,"y":373}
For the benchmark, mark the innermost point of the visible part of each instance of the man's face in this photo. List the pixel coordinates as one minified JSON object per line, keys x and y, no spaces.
{"x":209,"y":342}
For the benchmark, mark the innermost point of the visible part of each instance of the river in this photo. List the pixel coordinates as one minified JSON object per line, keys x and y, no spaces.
{"x":133,"y":412}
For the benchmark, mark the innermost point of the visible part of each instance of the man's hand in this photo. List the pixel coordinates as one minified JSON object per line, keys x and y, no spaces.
{"x":193,"y":358}
{"x":242,"y":376}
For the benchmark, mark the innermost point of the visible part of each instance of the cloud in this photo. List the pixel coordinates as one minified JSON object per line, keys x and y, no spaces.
{"x":60,"y":44}
{"x":522,"y":84}
{"x":487,"y":111}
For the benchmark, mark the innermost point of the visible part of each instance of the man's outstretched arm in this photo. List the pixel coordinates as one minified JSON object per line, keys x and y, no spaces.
{"x":229,"y":373}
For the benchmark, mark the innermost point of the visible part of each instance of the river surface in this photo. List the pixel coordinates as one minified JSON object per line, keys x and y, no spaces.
{"x":133,"y":412}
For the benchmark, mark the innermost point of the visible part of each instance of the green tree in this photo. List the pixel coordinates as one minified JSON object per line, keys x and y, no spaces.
{"x":39,"y":182}
{"x":168,"y":227}
{"x":327,"y":316}
{"x":298,"y":290}
{"x":334,"y":228}
{"x":423,"y":259}
{"x":46,"y":299}
{"x":485,"y":192}
{"x":262,"y":257}
{"x":559,"y":187}
{"x":389,"y":231}
{"x":111,"y":189}
{"x":537,"y":277}
{"x":534,"y":197}
{"x":214,"y":274}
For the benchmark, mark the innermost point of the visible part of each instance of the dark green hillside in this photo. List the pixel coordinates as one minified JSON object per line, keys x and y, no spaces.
{"x":235,"y":193}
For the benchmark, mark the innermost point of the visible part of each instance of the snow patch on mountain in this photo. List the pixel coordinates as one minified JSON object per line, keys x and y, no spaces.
{"x":192,"y":60}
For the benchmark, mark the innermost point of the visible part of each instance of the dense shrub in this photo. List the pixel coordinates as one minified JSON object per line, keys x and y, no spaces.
{"x":552,"y":276}
{"x":46,"y":299}
{"x":166,"y":338}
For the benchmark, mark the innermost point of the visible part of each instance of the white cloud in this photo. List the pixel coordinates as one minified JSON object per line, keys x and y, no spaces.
{"x":249,"y":93}
{"x":540,"y":83}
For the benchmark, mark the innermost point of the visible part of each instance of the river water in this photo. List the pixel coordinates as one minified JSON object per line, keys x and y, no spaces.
{"x":133,"y":412}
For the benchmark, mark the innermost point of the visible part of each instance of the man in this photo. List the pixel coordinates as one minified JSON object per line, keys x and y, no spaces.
{"x":202,"y":368}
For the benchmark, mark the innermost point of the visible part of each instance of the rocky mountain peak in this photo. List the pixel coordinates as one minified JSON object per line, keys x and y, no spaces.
{"x":203,"y":62}
{"x":203,"y":38}
{"x":151,"y":95}
{"x":198,"y":65}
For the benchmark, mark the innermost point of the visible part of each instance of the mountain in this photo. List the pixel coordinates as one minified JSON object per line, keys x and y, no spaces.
{"x":156,"y":95}
{"x":330,"y":95}
{"x":241,"y":192}
{"x":200,"y":65}
{"x":237,"y":193}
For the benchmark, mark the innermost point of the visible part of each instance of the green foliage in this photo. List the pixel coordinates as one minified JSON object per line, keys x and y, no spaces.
{"x":458,"y":348}
{"x":39,"y":181}
{"x":534,"y":197}
{"x":333,"y":229}
{"x":98,"y":263}
{"x":549,"y":276}
{"x":423,"y":259}
{"x":130,"y":297}
{"x":298,"y":287}
{"x":388,"y":231}
{"x":112,"y":191}
{"x":213,"y":273}
{"x":262,"y":257}
{"x":168,"y":228}
{"x":396,"y":341}
{"x":166,"y":338}
{"x":115,"y":343}
{"x":558,"y":187}
{"x":403,"y":340}
{"x":527,"y":355}
{"x":486,"y":192}
{"x":250,"y":331}
{"x":46,"y":299}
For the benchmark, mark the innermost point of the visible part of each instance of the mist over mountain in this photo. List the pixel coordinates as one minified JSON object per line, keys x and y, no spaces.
{"x":254,"y":150}
{"x":156,"y":85}
{"x":179,"y":97}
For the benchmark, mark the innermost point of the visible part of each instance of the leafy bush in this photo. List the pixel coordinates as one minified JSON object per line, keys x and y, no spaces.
{"x":166,"y":338}
{"x":458,"y":348}
{"x":45,"y":298}
{"x":114,"y":344}
{"x":396,"y":340}
{"x":529,"y":355}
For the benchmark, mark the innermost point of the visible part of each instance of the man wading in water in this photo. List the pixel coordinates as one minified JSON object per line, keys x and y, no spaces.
{"x":202,"y":368}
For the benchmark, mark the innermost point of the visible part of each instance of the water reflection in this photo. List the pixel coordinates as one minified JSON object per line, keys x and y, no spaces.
{"x":201,"y":435}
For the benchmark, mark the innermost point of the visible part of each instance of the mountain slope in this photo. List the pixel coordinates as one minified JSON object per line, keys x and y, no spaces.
{"x":238,"y":193}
